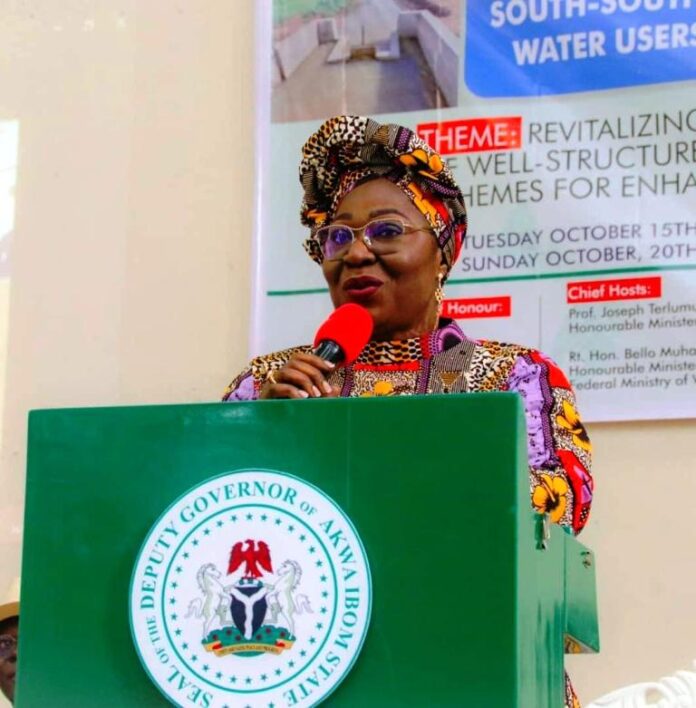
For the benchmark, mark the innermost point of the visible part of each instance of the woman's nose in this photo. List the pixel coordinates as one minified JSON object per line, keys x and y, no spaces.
{"x":358,"y":252}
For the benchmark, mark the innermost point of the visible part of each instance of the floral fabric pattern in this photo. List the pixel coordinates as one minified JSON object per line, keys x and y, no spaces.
{"x":445,"y":361}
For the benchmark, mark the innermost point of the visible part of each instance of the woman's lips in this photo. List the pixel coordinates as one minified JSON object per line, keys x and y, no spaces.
{"x":362,"y":287}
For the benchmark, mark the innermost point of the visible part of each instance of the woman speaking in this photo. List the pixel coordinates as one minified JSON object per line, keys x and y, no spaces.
{"x":387,"y":221}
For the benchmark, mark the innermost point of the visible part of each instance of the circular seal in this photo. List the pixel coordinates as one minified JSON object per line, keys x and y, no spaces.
{"x":252,"y":589}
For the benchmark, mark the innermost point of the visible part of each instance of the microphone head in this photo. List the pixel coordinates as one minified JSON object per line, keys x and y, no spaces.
{"x":350,"y":326}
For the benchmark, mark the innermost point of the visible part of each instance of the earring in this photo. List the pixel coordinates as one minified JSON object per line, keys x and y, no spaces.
{"x":439,"y":296}
{"x":439,"y":292}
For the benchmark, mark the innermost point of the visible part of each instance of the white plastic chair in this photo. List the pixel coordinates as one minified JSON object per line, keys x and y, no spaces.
{"x":676,"y":691}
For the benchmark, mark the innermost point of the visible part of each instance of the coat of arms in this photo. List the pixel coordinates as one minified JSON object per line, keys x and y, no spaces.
{"x":251,"y":610}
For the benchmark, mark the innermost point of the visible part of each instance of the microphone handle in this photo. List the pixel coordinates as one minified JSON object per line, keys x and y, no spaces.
{"x":329,"y":350}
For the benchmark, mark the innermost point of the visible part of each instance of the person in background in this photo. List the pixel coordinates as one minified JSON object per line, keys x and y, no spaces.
{"x":9,"y":637}
{"x":386,"y":224}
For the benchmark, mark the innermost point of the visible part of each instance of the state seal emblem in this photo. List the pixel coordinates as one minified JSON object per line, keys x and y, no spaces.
{"x":252,"y":589}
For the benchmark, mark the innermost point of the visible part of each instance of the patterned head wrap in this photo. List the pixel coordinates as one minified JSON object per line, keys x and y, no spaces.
{"x":350,"y":150}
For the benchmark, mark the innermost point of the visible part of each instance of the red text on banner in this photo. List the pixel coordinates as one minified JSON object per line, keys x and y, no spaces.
{"x":473,"y":134}
{"x":606,"y":290}
{"x":464,"y":308}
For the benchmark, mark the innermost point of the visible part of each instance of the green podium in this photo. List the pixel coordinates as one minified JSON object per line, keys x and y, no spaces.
{"x":473,"y":597}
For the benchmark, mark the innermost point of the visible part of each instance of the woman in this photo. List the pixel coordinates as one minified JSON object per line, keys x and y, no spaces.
{"x":387,"y":221}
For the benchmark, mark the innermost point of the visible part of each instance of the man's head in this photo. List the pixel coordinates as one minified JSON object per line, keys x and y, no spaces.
{"x":9,"y":636}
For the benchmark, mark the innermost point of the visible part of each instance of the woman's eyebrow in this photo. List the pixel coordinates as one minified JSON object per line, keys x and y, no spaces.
{"x":388,"y":210}
{"x":347,"y":216}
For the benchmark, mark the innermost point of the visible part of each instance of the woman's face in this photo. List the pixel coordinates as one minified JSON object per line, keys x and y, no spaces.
{"x":397,"y":288}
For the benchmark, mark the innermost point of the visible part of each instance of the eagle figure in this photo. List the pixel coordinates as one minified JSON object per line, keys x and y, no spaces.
{"x":253,"y":557}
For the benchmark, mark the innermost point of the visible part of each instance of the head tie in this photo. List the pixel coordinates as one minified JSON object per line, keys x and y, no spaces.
{"x":347,"y":151}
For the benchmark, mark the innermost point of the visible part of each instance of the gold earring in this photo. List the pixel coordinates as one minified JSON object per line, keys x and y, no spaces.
{"x":439,"y":296}
{"x":439,"y":292}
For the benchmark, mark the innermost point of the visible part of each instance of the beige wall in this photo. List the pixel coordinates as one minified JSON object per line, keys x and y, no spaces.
{"x":134,"y":207}
{"x":130,"y":278}
{"x":642,"y":529}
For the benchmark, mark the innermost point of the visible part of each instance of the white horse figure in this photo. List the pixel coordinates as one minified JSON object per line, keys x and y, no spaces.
{"x":280,"y":598}
{"x":216,"y":601}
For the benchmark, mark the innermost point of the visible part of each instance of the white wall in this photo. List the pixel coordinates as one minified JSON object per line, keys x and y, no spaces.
{"x":134,"y":209}
{"x":130,"y":279}
{"x":643,"y":531}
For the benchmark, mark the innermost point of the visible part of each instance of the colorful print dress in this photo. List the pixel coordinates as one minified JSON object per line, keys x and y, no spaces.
{"x":446,"y":361}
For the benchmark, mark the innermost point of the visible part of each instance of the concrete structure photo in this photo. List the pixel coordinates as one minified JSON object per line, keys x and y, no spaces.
{"x":369,"y":56}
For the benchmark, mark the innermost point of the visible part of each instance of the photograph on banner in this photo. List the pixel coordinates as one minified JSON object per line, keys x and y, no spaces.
{"x":572,"y":133}
{"x":376,"y":56}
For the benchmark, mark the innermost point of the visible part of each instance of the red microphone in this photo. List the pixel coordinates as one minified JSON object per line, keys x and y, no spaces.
{"x":344,"y":334}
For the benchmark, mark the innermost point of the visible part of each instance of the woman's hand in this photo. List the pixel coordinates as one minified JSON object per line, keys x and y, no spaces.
{"x":304,"y":376}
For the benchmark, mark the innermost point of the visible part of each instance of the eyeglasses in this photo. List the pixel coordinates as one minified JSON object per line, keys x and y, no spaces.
{"x":8,"y":646}
{"x":381,"y":236}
